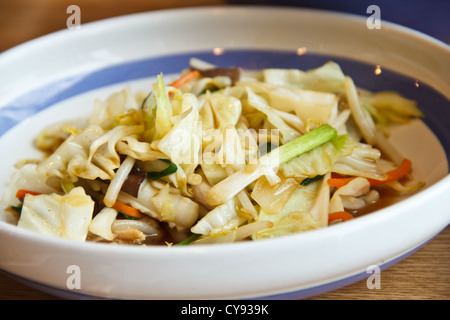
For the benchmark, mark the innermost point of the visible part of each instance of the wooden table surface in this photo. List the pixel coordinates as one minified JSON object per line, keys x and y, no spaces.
{"x":423,"y":275}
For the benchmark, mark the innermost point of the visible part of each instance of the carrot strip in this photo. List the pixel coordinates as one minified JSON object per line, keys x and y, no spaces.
{"x":127,"y":210}
{"x":395,"y":174}
{"x":185,"y":78}
{"x":337,"y":175}
{"x":21,"y":193}
{"x":119,"y":206}
{"x":339,"y":181}
{"x":339,"y":215}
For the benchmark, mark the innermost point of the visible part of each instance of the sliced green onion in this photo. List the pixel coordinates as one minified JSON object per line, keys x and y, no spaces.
{"x":127,"y":217}
{"x":188,"y":240}
{"x":307,"y":181}
{"x":211,"y":90}
{"x":305,"y":143}
{"x":155,"y":175}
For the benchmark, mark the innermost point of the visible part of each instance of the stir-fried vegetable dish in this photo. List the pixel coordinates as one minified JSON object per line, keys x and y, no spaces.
{"x":216,"y":155}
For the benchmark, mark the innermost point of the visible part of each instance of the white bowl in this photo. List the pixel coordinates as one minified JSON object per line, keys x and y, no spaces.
{"x":48,"y":78}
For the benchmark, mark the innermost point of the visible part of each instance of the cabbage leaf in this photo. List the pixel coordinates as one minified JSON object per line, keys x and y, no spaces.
{"x":64,"y":216}
{"x":295,"y":216}
{"x":105,"y":112}
{"x":26,"y":178}
{"x":182,"y":143}
{"x":219,"y":218}
{"x":326,"y":78}
{"x":89,"y":154}
{"x":308,"y":105}
{"x":101,"y":224}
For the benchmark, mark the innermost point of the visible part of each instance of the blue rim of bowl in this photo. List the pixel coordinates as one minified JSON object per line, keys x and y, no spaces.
{"x":437,"y":111}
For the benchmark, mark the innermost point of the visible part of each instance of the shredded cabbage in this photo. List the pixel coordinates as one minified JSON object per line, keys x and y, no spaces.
{"x":220,"y":155}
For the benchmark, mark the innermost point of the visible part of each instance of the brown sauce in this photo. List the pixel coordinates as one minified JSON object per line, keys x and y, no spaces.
{"x":388,"y":196}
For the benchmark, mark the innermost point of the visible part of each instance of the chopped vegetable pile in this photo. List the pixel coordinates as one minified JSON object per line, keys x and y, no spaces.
{"x":217,"y":155}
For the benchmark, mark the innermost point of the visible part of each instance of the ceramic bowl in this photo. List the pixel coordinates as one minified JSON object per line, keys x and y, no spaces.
{"x":58,"y":76}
